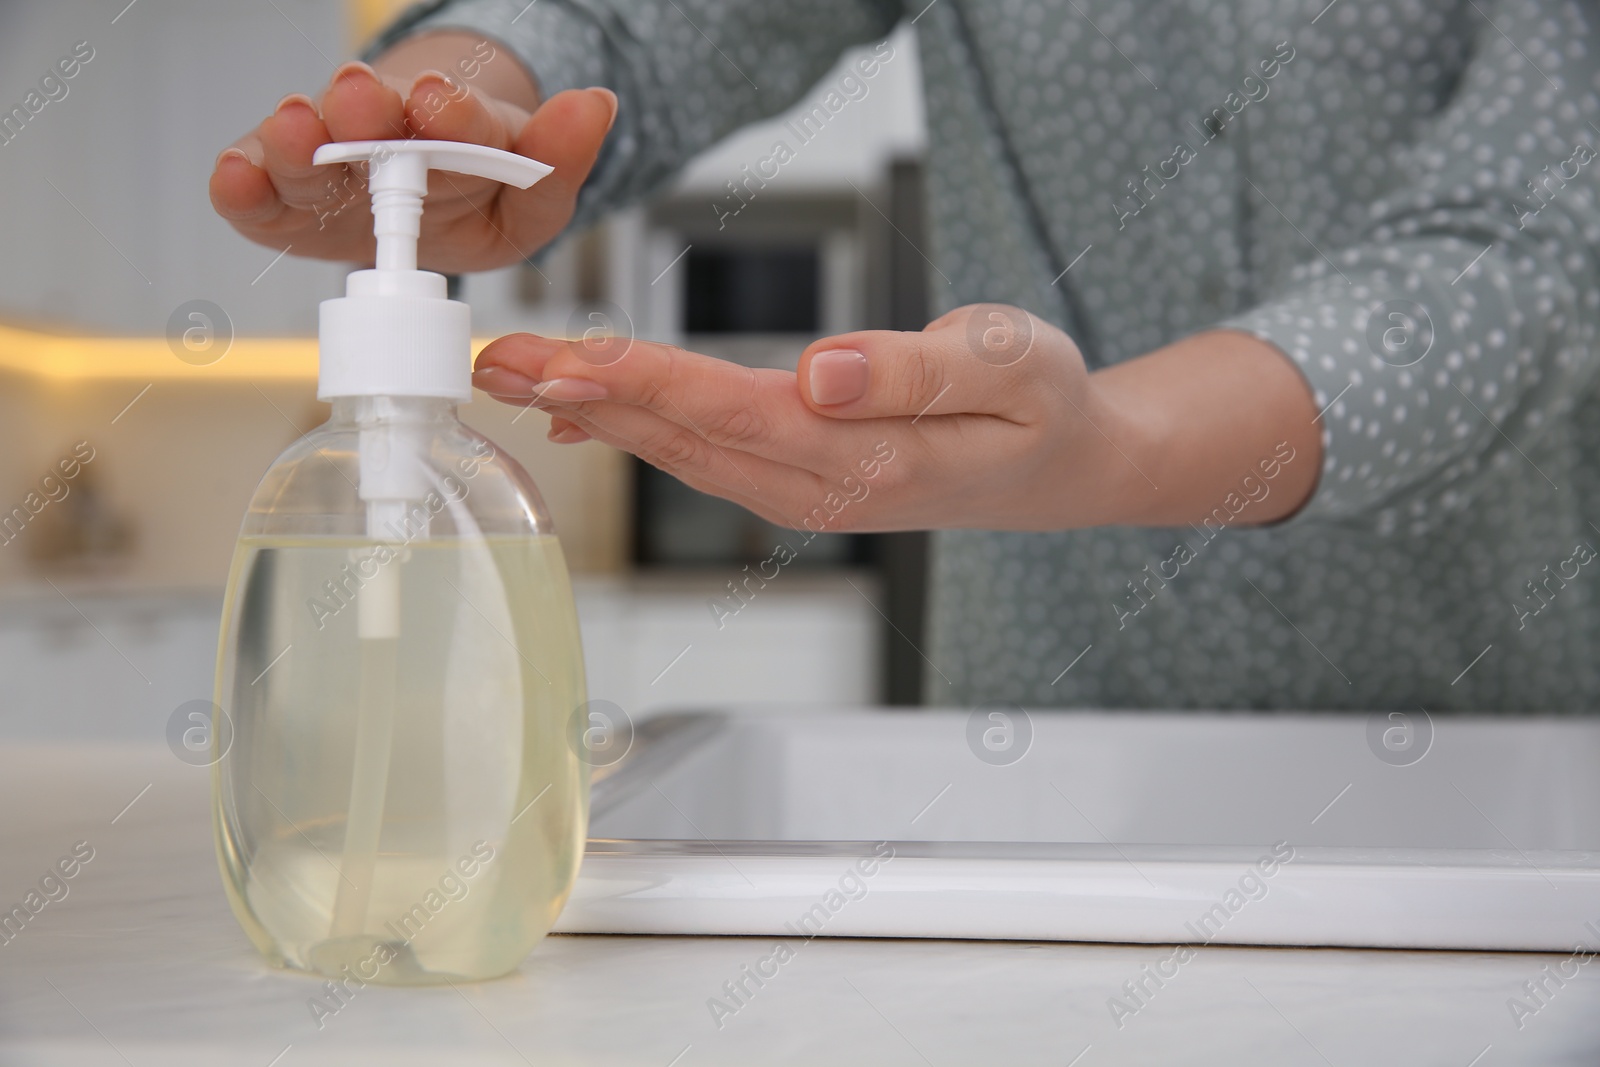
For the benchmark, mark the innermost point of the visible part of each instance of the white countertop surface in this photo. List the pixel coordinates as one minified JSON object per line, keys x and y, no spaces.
{"x":142,"y":963}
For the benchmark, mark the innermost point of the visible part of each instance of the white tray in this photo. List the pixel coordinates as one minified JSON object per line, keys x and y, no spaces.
{"x":1128,"y":827}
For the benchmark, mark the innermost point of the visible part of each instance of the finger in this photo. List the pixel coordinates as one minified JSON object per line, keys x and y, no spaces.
{"x":439,"y":107}
{"x":680,"y":451}
{"x":358,"y":105}
{"x":241,"y":191}
{"x":566,"y":432}
{"x":974,"y":362}
{"x":288,"y":139}
{"x":786,"y":495}
{"x":683,"y":453}
{"x":506,"y":385}
{"x":728,"y":405}
{"x":445,"y":109}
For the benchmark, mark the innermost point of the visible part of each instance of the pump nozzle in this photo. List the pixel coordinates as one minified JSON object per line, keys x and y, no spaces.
{"x":398,"y":178}
{"x":395,"y":333}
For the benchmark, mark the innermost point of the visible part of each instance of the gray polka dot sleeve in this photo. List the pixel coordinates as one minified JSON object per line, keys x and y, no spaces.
{"x":1398,"y":194}
{"x":1459,"y":330}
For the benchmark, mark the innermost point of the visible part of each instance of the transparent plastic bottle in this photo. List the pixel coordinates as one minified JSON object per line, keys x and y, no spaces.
{"x":403,"y":800}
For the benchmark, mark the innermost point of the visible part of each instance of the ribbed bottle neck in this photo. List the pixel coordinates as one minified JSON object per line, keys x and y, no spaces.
{"x":369,"y":411}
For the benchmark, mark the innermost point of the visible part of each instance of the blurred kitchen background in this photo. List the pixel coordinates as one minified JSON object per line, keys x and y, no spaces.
{"x":120,"y":289}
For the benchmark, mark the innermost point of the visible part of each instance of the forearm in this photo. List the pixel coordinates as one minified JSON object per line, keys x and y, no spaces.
{"x":1200,"y":416}
{"x":461,"y":55}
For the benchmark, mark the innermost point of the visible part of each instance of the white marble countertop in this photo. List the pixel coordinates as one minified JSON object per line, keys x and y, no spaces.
{"x":141,"y":963}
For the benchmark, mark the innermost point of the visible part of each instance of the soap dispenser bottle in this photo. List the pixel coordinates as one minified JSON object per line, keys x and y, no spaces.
{"x":402,"y":800}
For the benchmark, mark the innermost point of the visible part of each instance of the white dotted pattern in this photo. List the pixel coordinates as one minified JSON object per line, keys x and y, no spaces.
{"x":1378,"y":158}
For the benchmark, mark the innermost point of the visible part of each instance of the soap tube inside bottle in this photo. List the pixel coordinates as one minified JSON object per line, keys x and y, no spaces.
{"x":378,"y":627}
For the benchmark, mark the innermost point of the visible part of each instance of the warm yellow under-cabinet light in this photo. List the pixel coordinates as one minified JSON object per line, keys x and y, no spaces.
{"x":367,"y":17}
{"x":69,"y":357}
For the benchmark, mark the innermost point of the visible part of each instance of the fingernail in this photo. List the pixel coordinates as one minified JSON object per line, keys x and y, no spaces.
{"x":355,"y":70}
{"x":296,"y":100}
{"x":451,"y":86}
{"x":231,"y":155}
{"x":499,"y":381}
{"x":838,"y":376}
{"x":611,"y":99}
{"x":570,"y":390}
{"x":567,"y":435}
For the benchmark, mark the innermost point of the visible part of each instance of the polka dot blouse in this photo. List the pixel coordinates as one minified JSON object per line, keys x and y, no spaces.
{"x":1398,"y":194}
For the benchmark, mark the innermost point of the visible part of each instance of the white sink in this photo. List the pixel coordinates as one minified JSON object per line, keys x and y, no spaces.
{"x":1328,"y":829}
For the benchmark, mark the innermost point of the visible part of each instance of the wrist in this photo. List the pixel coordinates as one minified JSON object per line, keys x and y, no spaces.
{"x":1125,"y":448}
{"x":1199,"y":417}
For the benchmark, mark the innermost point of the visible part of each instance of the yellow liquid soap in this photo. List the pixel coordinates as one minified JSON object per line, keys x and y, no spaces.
{"x":402,"y":802}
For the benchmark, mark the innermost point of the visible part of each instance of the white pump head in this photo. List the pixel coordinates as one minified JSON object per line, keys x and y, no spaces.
{"x":395,"y":332}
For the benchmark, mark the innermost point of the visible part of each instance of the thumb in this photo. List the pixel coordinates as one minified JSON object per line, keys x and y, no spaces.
{"x":973,"y":359}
